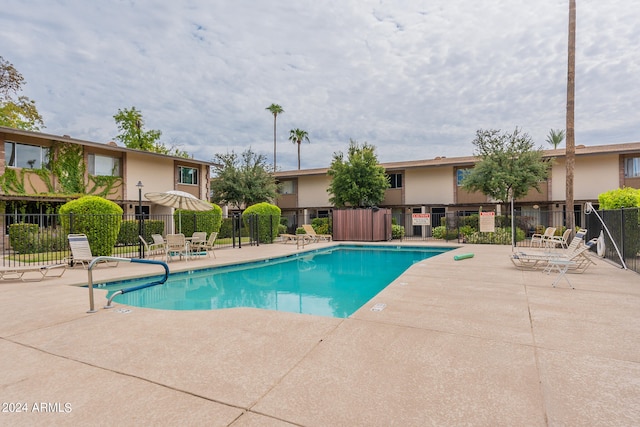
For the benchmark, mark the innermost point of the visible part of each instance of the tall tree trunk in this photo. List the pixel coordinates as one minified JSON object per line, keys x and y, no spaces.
{"x":571,"y":140}
{"x":299,"y":143}
{"x":274,"y":143}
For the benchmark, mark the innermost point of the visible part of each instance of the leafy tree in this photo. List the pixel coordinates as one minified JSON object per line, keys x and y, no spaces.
{"x":275,"y":109}
{"x":242,"y":182}
{"x":555,"y":137}
{"x":16,"y":112}
{"x":132,"y":135}
{"x":297,"y":136}
{"x":509,"y":166}
{"x":358,"y":181}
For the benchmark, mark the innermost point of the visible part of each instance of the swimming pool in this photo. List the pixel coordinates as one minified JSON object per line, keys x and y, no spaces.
{"x":332,"y":282}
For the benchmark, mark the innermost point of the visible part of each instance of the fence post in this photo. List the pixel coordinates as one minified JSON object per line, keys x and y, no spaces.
{"x":622,"y":227}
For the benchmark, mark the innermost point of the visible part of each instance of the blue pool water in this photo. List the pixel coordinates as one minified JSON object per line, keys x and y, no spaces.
{"x":328,"y":282}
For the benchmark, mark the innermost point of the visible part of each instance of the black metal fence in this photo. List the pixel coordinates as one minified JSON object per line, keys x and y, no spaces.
{"x":621,"y":235}
{"x":463,"y":227}
{"x":42,"y":238}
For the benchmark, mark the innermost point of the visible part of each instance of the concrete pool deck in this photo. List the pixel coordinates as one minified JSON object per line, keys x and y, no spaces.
{"x":474,"y":342}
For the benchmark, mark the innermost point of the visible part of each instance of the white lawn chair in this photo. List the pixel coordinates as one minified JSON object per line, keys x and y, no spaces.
{"x":206,"y":246}
{"x":81,"y":251}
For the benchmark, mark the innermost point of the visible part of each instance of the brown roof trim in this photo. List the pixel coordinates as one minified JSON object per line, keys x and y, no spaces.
{"x":108,"y":146}
{"x":581,"y":150}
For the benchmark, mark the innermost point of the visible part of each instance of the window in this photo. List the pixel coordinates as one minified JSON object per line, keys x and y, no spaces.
{"x":187,"y":175}
{"x":287,"y":187}
{"x":103,"y":165}
{"x":26,"y":156}
{"x":395,"y":180}
{"x":461,"y":175}
{"x":632,"y":167}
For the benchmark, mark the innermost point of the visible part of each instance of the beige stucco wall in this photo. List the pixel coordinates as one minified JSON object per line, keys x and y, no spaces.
{"x":429,"y":186}
{"x":156,"y":174}
{"x":593,"y":175}
{"x":312,"y":191}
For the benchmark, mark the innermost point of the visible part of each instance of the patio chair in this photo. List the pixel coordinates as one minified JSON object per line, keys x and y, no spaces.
{"x":198,"y":237}
{"x":176,"y":245}
{"x":152,"y":249}
{"x":541,"y":240}
{"x":19,"y":272}
{"x":317,"y":237}
{"x":300,"y":239}
{"x":578,"y":258}
{"x":205,"y":246}
{"x":81,"y":251}
{"x":562,"y":241}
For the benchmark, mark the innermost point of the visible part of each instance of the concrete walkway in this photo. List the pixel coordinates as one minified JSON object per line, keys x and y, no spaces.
{"x":472,"y":342}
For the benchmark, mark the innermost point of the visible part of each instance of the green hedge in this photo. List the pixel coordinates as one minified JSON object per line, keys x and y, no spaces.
{"x":96,"y":217}
{"x":397,"y":231}
{"x":208,"y":221}
{"x":268,"y":220}
{"x":502,"y":236}
{"x":128,"y":234}
{"x":30,"y":239}
{"x":322,"y":225}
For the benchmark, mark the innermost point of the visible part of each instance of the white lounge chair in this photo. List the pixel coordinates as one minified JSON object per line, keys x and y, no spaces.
{"x":81,"y":251}
{"x":22,"y":272}
{"x":308,"y":228}
{"x":541,"y":240}
{"x":296,"y":238}
{"x":577,"y":258}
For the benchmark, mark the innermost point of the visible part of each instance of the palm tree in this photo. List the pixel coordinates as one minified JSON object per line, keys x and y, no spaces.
{"x":571,"y":138}
{"x":297,"y":136}
{"x":275,"y":110}
{"x":555,"y":137}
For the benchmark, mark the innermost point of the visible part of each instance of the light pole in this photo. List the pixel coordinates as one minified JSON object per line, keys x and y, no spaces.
{"x":140,"y":247}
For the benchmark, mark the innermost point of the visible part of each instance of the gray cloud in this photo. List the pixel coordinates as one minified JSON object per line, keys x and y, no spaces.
{"x":416,"y":80}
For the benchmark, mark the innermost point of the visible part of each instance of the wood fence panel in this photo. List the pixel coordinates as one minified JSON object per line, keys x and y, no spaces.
{"x":362,"y":225}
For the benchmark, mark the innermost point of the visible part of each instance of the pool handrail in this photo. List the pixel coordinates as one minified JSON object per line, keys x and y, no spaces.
{"x":118,"y":259}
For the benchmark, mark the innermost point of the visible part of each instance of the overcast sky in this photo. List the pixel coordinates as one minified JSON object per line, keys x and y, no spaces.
{"x":416,"y":79}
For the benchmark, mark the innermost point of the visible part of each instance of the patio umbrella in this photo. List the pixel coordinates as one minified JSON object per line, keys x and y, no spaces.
{"x":179,"y":200}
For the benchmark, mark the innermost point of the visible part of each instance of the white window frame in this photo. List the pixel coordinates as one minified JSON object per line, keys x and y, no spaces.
{"x":103,"y":165}
{"x":18,"y":155}
{"x":195,"y":174}
{"x":632,"y":167}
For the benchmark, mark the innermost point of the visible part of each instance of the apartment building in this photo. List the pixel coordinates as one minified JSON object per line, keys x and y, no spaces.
{"x":433,"y":185}
{"x":39,"y":172}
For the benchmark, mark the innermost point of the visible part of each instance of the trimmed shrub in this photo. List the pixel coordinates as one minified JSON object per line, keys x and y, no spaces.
{"x":322,"y":225}
{"x":96,"y":217}
{"x":128,"y":234}
{"x":441,"y":232}
{"x":397,"y":231}
{"x":209,"y":221}
{"x":268,"y":220}
{"x":282,"y":229}
{"x":23,"y":237}
{"x":626,"y":197}
{"x":30,"y":239}
{"x":502,"y":236}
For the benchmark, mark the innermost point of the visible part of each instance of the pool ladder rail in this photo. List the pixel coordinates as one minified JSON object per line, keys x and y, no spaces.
{"x":122,"y":291}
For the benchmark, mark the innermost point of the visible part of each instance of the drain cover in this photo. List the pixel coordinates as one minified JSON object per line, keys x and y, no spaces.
{"x":378,"y":307}
{"x":123,"y":310}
